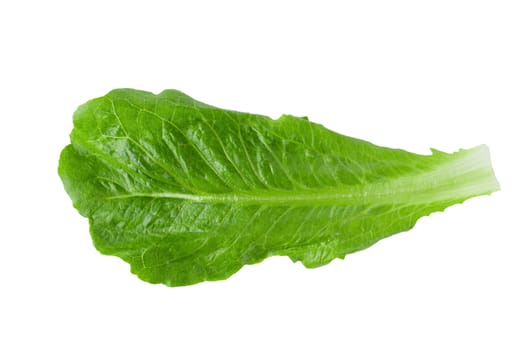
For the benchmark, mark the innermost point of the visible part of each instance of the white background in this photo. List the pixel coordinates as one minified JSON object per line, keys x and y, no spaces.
{"x":405,"y":74}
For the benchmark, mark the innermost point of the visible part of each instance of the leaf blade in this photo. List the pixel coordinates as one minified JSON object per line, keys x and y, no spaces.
{"x":186,"y":192}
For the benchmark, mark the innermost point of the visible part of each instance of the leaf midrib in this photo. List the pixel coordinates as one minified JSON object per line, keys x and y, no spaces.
{"x":382,"y":193}
{"x":274,"y":197}
{"x":436,"y":185}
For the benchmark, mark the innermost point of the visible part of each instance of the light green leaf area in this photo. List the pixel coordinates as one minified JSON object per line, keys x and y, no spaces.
{"x":186,"y":192}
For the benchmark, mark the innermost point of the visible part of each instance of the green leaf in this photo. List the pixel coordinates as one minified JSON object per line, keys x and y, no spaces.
{"x":186,"y":192}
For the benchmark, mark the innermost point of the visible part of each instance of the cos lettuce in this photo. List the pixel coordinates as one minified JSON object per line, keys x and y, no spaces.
{"x":186,"y":192}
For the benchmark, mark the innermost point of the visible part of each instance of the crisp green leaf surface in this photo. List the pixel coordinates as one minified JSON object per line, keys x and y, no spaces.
{"x":186,"y":192}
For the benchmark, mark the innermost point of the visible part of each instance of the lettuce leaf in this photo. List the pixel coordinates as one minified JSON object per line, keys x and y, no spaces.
{"x":186,"y":192}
